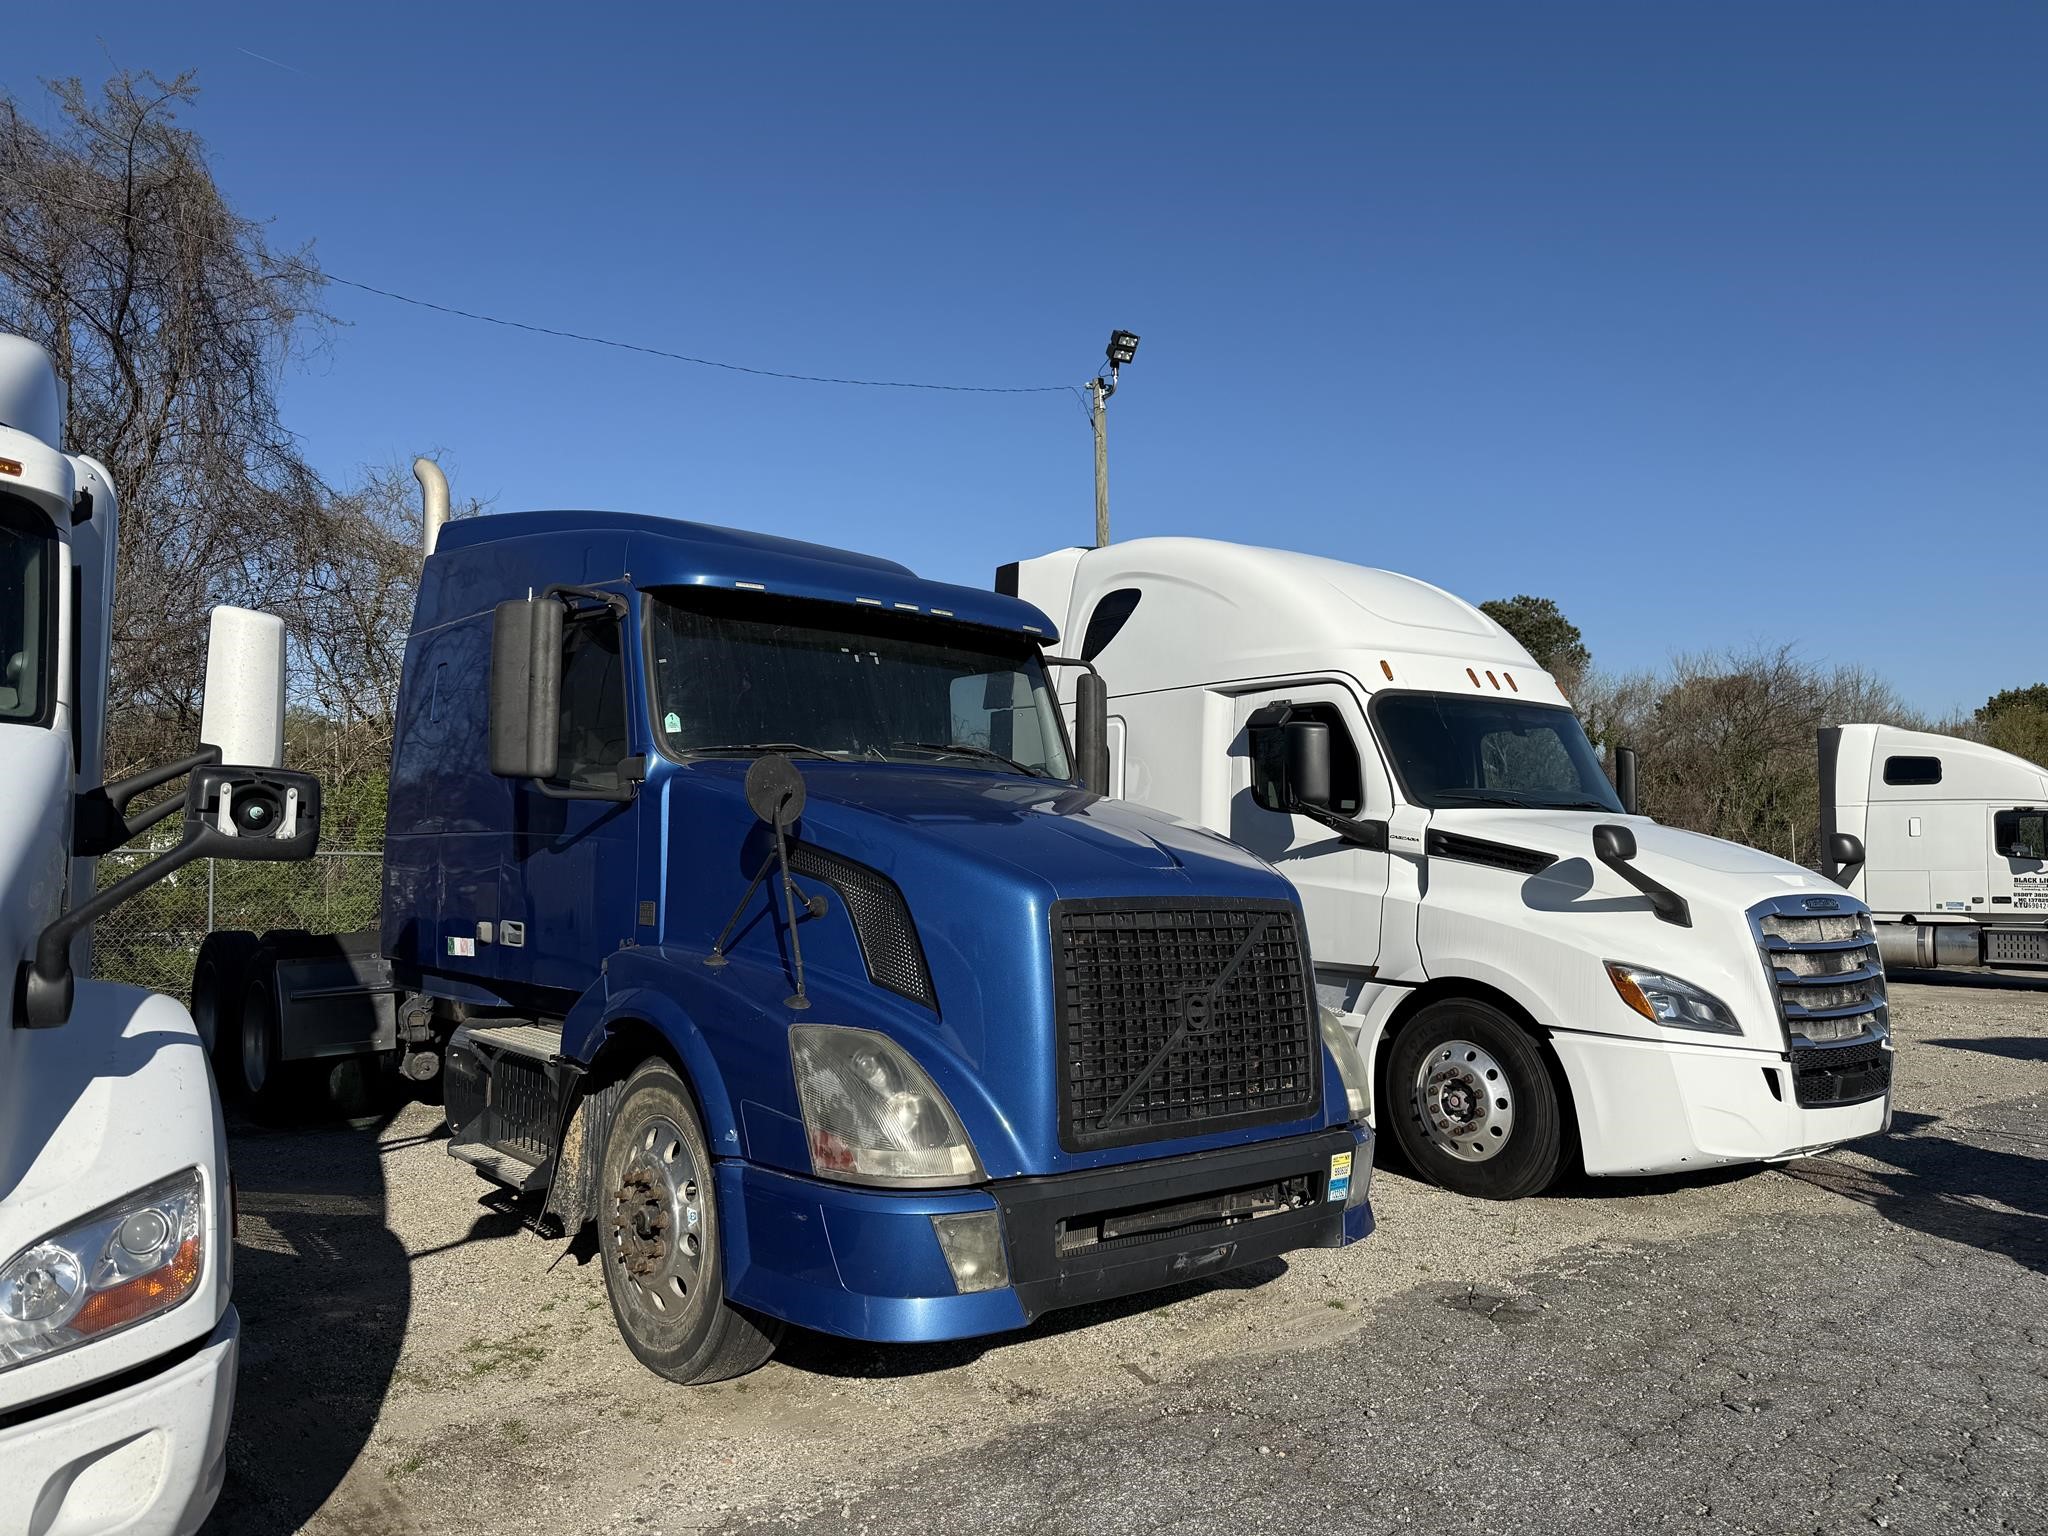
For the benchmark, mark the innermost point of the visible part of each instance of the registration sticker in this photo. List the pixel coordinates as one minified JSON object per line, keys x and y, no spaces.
{"x":1340,"y":1175}
{"x":461,"y":946}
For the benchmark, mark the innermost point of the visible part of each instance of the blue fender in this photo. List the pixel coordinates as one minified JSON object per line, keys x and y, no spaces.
{"x":601,"y":1016}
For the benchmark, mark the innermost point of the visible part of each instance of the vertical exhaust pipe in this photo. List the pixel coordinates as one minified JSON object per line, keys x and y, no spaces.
{"x":433,"y":501}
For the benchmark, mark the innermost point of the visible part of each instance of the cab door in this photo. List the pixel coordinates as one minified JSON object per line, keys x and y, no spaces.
{"x":570,"y":882}
{"x":2019,"y":861}
{"x":1343,"y":884}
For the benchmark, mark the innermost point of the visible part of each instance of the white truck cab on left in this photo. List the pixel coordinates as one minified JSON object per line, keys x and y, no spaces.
{"x":117,"y":1335}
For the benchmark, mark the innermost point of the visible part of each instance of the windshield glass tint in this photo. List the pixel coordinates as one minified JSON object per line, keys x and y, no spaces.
{"x":27,"y":616}
{"x":745,"y":673}
{"x":1453,"y":751}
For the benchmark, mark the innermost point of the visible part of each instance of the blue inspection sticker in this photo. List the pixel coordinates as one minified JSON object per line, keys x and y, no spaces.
{"x":1340,"y":1175}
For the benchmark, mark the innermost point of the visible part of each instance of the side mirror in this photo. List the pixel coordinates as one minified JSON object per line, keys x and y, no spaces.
{"x":1091,"y":731}
{"x":1613,"y":845}
{"x":1625,"y":765}
{"x":1305,"y":749}
{"x":526,"y":687}
{"x":244,"y":711}
{"x":269,"y":814}
{"x":1845,"y":853}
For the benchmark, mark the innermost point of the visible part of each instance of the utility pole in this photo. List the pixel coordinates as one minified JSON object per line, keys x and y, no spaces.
{"x":1123,"y":346}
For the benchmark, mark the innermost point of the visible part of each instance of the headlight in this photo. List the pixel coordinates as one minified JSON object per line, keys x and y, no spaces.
{"x":125,"y":1262}
{"x":1350,"y":1065}
{"x":1666,"y":1000}
{"x":870,"y":1113}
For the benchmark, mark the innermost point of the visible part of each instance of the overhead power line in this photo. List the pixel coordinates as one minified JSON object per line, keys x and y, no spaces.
{"x":684,"y":357}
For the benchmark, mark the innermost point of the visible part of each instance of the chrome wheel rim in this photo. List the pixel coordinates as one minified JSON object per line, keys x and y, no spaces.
{"x":656,"y":1235}
{"x":1464,"y":1101}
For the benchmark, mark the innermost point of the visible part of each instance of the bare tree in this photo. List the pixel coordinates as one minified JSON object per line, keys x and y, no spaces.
{"x":170,"y":317}
{"x":1728,"y":739}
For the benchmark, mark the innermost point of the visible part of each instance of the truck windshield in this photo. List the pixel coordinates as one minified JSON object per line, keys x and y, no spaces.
{"x":28,"y":617}
{"x":1452,"y":751}
{"x":739,"y":673}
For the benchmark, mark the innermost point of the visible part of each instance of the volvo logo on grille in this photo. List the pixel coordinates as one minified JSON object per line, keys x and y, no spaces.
{"x":1821,"y":904}
{"x":1195,"y":1010}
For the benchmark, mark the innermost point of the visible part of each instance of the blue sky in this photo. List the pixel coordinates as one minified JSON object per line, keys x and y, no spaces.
{"x":1720,"y":324}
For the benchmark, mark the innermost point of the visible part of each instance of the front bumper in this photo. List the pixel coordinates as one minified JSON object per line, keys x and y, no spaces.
{"x":1655,"y":1106}
{"x":144,"y":1459}
{"x":866,"y":1264}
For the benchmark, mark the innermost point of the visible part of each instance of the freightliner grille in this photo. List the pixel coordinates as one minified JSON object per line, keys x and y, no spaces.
{"x":1829,"y":984}
{"x":1179,"y":1019}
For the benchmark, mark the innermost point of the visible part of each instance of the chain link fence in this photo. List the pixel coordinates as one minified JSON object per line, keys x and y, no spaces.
{"x":151,"y":940}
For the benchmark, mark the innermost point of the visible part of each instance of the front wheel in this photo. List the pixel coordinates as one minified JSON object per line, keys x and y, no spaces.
{"x":1471,"y":1102}
{"x":657,"y":1222}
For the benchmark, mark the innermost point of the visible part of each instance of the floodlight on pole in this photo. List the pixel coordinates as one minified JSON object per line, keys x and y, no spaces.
{"x":1123,"y":346}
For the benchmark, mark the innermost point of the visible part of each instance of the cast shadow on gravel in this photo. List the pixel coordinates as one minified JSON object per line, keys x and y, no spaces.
{"x":1998,"y":981}
{"x":325,"y":1291}
{"x":2014,"y":1047}
{"x":1949,"y":1188}
{"x":819,"y":1354}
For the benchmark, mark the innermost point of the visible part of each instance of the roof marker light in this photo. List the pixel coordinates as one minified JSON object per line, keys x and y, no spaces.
{"x":1386,"y":668}
{"x":10,"y":466}
{"x":1033,"y":628}
{"x":908,"y":607}
{"x":1492,"y":679}
{"x":872,"y":602}
{"x":1511,"y":680}
{"x":1473,"y":675}
{"x":751,"y":586}
{"x":942,"y":613}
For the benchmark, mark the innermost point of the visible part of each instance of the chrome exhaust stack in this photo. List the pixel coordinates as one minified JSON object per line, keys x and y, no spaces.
{"x":433,"y":501}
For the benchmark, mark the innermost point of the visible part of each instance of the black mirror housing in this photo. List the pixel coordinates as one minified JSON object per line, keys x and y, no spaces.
{"x":526,"y":687}
{"x":1305,"y":749}
{"x":269,"y":815}
{"x":1612,"y":844}
{"x":1091,"y":731}
{"x":1845,"y":851}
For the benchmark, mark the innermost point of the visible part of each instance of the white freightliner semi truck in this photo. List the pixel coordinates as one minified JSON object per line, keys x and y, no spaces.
{"x":1954,"y":837}
{"x":117,"y":1337}
{"x":1532,"y":972}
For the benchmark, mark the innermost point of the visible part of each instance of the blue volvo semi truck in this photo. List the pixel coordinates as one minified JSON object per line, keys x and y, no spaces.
{"x":751,"y":901}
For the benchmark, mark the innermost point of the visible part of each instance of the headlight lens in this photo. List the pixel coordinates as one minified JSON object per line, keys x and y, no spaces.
{"x":870,"y":1113}
{"x":125,"y":1262}
{"x":1350,"y":1065}
{"x":1666,"y":1000}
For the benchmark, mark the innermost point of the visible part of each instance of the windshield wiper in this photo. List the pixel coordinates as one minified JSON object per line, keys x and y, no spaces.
{"x":968,"y":749}
{"x":764,"y":746}
{"x":1482,"y":797}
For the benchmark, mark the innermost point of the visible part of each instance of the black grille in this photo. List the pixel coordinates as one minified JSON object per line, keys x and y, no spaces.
{"x":1180,"y":1019}
{"x":881,"y":921}
{"x":1845,"y":1074}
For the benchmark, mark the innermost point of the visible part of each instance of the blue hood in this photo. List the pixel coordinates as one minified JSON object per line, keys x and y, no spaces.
{"x":980,"y":858}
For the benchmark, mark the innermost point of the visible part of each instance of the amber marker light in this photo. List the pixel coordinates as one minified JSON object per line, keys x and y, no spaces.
{"x":1631,"y":994}
{"x":1388,"y":669}
{"x":119,"y":1305}
{"x":10,"y":466}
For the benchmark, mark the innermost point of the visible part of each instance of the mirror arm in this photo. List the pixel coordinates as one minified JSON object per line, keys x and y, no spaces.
{"x":46,"y":982}
{"x":102,"y":823}
{"x":1366,"y":834}
{"x":1669,"y":906}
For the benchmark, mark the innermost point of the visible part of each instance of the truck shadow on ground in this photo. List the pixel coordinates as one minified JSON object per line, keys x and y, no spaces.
{"x":1948,"y":1187}
{"x":819,"y":1354}
{"x":2016,"y":1047}
{"x":325,"y":1292}
{"x":2000,"y":981}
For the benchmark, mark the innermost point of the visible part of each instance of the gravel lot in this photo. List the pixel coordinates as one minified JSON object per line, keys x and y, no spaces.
{"x":1854,"y":1343}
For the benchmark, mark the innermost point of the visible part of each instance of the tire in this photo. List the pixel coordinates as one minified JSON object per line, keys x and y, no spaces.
{"x":220,"y":975}
{"x":1471,"y":1102}
{"x":265,"y":1083}
{"x":668,"y":1297}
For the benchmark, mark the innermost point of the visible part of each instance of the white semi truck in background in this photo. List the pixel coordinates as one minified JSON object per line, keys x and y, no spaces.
{"x":1531,"y":971}
{"x":117,"y":1336}
{"x":1954,"y":838}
